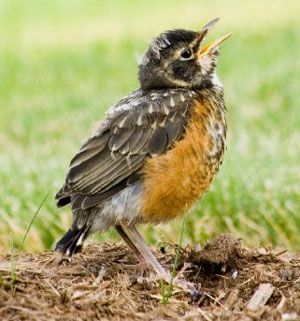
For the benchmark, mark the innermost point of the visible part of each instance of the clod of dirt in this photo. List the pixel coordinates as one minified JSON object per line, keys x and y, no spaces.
{"x":219,"y":255}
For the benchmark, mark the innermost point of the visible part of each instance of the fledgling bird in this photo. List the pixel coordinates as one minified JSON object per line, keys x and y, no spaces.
{"x":156,"y":152}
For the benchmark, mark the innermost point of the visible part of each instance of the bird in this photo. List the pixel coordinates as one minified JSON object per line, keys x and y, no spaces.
{"x":156,"y":152}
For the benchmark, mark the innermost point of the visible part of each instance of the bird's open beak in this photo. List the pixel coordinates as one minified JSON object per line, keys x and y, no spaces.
{"x":215,"y":44}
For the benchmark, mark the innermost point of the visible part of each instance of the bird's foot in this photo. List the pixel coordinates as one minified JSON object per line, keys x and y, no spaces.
{"x":178,"y":282}
{"x":184,"y":285}
{"x":134,"y":240}
{"x":187,"y":287}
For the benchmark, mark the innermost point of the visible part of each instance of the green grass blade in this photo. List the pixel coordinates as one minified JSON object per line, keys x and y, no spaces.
{"x":166,"y":295}
{"x":13,"y":275}
{"x":33,"y":219}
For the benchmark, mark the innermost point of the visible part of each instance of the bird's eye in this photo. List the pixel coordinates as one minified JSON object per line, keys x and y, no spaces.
{"x":186,"y":53}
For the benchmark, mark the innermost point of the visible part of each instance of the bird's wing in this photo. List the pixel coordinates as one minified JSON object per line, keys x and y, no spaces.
{"x":139,"y":126}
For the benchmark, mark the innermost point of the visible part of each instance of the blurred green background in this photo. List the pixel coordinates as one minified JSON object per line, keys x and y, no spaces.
{"x":63,"y":63}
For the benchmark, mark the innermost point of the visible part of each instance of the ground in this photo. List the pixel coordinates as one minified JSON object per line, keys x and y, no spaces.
{"x":104,"y":282}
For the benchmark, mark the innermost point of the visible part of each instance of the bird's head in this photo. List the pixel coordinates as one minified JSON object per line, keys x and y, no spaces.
{"x":177,"y":58}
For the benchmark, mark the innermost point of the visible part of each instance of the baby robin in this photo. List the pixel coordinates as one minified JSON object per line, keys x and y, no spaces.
{"x":156,"y":152}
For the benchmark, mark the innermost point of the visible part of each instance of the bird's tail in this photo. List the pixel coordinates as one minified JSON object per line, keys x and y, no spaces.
{"x":72,"y":241}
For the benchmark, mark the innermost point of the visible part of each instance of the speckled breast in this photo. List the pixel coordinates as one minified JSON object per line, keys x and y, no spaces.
{"x":175,"y":180}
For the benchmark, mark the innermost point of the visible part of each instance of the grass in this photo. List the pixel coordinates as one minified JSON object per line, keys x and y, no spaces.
{"x":65,"y":62}
{"x":167,"y":293}
{"x":33,"y":219}
{"x":13,"y":275}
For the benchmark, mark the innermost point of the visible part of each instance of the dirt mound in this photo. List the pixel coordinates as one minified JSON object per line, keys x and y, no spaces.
{"x":105,"y":282}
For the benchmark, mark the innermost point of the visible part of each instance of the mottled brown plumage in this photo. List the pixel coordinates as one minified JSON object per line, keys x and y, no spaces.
{"x":156,"y":152}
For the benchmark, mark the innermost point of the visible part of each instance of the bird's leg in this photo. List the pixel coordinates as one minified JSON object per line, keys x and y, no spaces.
{"x":145,"y":252}
{"x":129,"y":242}
{"x":149,"y":257}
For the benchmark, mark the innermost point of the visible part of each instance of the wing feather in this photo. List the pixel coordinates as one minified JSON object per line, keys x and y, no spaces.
{"x":118,"y":140}
{"x":139,"y":126}
{"x":158,"y":142}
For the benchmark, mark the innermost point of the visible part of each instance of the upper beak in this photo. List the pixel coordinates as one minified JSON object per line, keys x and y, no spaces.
{"x":214,"y":45}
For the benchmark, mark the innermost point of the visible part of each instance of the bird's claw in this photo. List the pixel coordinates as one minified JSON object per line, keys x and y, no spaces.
{"x":188,"y":287}
{"x":194,"y":294}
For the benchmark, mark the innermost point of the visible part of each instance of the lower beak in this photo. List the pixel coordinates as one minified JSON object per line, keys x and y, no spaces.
{"x":213,"y":46}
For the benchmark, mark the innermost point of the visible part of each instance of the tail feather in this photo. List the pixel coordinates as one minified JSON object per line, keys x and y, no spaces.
{"x":71,"y":243}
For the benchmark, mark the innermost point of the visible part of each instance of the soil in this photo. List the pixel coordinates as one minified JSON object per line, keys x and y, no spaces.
{"x":105,"y":282}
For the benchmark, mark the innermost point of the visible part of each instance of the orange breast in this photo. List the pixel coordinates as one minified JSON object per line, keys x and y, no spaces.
{"x":175,"y":180}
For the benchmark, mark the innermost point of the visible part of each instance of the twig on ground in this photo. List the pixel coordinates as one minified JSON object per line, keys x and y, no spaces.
{"x":261,"y":296}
